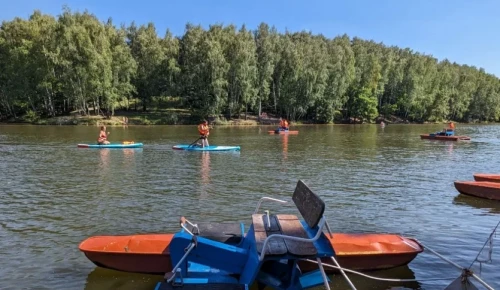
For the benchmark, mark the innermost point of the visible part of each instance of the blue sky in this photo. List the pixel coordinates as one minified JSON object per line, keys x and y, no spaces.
{"x":462,"y":31}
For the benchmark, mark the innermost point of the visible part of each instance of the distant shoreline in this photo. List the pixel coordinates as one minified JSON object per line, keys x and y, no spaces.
{"x":151,"y":119}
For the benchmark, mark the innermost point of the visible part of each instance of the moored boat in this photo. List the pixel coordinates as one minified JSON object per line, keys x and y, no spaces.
{"x":483,"y":189}
{"x":150,"y":253}
{"x":433,"y":136}
{"x":487,"y":177}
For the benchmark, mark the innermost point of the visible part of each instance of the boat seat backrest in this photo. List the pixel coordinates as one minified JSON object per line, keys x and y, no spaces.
{"x":310,"y":206}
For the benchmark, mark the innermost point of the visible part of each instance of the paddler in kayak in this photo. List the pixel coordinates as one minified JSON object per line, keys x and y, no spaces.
{"x":204,"y":132}
{"x":448,"y":131}
{"x":103,"y":136}
{"x":283,"y":125}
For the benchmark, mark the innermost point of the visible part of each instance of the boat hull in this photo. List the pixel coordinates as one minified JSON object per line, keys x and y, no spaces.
{"x":483,"y":189}
{"x":118,"y":146}
{"x":487,"y":177}
{"x":207,"y":148}
{"x":283,"y":132}
{"x":150,"y":254}
{"x":443,"y":138}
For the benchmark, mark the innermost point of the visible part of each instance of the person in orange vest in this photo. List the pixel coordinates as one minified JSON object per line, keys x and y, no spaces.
{"x":103,"y":136}
{"x":450,"y":129}
{"x":204,"y":132}
{"x":283,"y":124}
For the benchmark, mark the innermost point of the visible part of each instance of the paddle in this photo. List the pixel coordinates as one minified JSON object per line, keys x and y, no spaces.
{"x":192,"y":144}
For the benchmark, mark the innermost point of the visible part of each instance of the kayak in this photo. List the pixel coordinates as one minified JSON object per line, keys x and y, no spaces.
{"x":283,"y":132}
{"x":150,"y":253}
{"x":207,"y":148}
{"x":115,"y":145}
{"x":483,"y":189}
{"x":443,"y":138}
{"x":487,"y":177}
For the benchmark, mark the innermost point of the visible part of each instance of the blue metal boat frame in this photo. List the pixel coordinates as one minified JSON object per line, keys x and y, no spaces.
{"x":267,"y":255}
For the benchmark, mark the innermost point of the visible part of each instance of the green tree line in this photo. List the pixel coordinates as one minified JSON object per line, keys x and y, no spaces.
{"x":50,"y":66}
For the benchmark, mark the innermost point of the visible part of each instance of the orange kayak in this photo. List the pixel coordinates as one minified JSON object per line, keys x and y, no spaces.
{"x":483,"y":189}
{"x":150,"y":254}
{"x":443,"y":138}
{"x":283,"y":132}
{"x":487,"y":177}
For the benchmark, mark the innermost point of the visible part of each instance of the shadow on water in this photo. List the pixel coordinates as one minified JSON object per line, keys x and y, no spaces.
{"x":105,"y":279}
{"x":363,"y":283}
{"x":491,"y":206}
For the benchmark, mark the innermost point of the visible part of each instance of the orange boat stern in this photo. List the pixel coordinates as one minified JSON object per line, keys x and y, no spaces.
{"x":148,"y":254}
{"x":487,"y":177}
{"x":369,"y":252}
{"x":483,"y":189}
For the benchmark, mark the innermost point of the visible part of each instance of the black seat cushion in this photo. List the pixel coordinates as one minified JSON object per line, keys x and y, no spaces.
{"x":228,"y":233}
{"x":310,"y":206}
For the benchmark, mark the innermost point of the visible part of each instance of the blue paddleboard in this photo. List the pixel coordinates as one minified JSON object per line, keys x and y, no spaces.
{"x":207,"y":148}
{"x":116,"y":145}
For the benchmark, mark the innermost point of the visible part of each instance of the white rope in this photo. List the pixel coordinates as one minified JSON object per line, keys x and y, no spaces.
{"x":478,"y":279}
{"x":343,"y":273}
{"x":490,"y":240}
{"x":377,"y":278}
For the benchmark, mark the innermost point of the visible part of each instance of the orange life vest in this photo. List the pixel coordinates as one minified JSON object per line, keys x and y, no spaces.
{"x":102,"y":136}
{"x":203,"y":129}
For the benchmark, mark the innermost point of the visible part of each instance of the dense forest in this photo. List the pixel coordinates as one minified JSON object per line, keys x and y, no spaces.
{"x":52,"y":66}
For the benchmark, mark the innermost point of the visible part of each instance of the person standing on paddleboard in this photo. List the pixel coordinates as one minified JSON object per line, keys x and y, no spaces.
{"x":204,"y":132}
{"x":103,"y":136}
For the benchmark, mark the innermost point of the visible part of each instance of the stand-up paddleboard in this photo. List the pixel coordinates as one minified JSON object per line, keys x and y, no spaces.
{"x":115,"y":145}
{"x":283,"y":132}
{"x":207,"y":148}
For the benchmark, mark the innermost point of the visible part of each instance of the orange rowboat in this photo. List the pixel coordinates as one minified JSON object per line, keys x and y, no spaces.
{"x":487,"y":177}
{"x":483,"y":189}
{"x":149,"y":253}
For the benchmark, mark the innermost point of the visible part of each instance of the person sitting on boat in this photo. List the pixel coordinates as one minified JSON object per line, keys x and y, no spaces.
{"x":449,"y":130}
{"x":283,"y":124}
{"x":204,"y":132}
{"x":103,"y":136}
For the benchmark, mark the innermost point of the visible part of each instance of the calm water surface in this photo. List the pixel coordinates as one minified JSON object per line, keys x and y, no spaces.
{"x":54,"y":195}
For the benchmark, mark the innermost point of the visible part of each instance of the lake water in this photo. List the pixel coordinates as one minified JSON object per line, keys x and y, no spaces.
{"x":54,"y":195}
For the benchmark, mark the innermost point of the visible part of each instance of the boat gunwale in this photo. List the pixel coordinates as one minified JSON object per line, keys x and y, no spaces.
{"x":340,"y":253}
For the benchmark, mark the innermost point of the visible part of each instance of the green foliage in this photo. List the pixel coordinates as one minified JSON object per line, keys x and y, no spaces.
{"x":170,"y":119}
{"x":31,"y":116}
{"x":325,"y":112}
{"x":363,"y":105}
{"x":337,"y":116}
{"x":75,"y":62}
